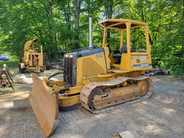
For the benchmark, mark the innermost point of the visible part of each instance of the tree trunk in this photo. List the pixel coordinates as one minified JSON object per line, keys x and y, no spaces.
{"x":55,"y":39}
{"x":108,"y":13}
{"x":48,"y":9}
{"x":77,"y":4}
{"x":67,"y":15}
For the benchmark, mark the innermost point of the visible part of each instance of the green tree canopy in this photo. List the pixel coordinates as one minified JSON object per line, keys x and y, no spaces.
{"x":62,"y":25}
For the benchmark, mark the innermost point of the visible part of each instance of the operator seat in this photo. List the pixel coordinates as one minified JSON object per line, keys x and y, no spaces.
{"x":122,"y":50}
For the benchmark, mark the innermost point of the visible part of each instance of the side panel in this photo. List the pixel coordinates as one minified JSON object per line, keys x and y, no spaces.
{"x":140,"y":61}
{"x":71,"y":67}
{"x":125,"y":62}
{"x":90,"y":66}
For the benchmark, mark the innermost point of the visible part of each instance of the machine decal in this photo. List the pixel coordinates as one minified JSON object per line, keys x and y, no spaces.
{"x":143,"y":58}
{"x":142,"y":65}
{"x":98,"y":56}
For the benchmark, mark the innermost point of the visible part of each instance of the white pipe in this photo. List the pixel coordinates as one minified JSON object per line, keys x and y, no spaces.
{"x":41,"y":49}
{"x":90,"y":32}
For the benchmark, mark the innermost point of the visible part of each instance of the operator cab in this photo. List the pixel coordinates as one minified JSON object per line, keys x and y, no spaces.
{"x":129,"y":55}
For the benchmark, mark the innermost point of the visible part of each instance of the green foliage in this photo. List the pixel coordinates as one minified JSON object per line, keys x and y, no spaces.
{"x":53,"y":23}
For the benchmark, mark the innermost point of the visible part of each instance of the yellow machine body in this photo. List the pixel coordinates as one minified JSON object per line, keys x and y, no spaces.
{"x":32,"y":59}
{"x":101,"y":67}
{"x":98,"y":78}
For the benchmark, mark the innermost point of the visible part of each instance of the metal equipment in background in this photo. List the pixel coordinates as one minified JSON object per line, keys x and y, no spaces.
{"x":33,"y":59}
{"x":96,"y":78}
{"x":157,"y":71}
{"x":6,"y":78}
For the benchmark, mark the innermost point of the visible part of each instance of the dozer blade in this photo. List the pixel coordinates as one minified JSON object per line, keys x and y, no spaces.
{"x":45,"y":105}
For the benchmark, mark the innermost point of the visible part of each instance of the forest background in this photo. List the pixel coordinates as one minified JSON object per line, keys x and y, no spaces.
{"x":62,"y":26}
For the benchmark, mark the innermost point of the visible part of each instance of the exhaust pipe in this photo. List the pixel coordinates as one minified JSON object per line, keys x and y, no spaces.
{"x":90,"y":33}
{"x":41,"y":49}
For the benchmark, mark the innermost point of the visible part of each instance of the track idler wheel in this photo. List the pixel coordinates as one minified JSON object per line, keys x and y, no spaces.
{"x":94,"y":92}
{"x":143,"y":85}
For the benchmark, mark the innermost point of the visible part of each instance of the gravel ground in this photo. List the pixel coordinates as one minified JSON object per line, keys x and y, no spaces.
{"x":162,"y":115}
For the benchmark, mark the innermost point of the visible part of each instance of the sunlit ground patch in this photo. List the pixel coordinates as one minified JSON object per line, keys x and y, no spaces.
{"x":155,"y":130}
{"x":169,"y":100}
{"x":169,"y":110}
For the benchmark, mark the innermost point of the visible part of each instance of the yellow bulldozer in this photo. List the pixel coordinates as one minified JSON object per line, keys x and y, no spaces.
{"x":96,"y":78}
{"x":32,"y":59}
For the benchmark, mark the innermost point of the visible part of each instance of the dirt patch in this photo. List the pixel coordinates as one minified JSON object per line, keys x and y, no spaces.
{"x":162,"y":115}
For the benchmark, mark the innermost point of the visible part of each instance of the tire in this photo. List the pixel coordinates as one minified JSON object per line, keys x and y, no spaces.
{"x":48,"y":67}
{"x":21,"y":70}
{"x":41,"y":70}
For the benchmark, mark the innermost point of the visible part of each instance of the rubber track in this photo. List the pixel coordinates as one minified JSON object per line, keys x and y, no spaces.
{"x":90,"y":86}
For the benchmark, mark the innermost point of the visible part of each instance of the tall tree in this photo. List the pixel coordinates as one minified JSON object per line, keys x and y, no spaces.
{"x":77,"y":4}
{"x":108,"y":5}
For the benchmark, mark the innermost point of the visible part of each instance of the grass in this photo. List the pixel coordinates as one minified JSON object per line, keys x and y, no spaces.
{"x":11,"y":63}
